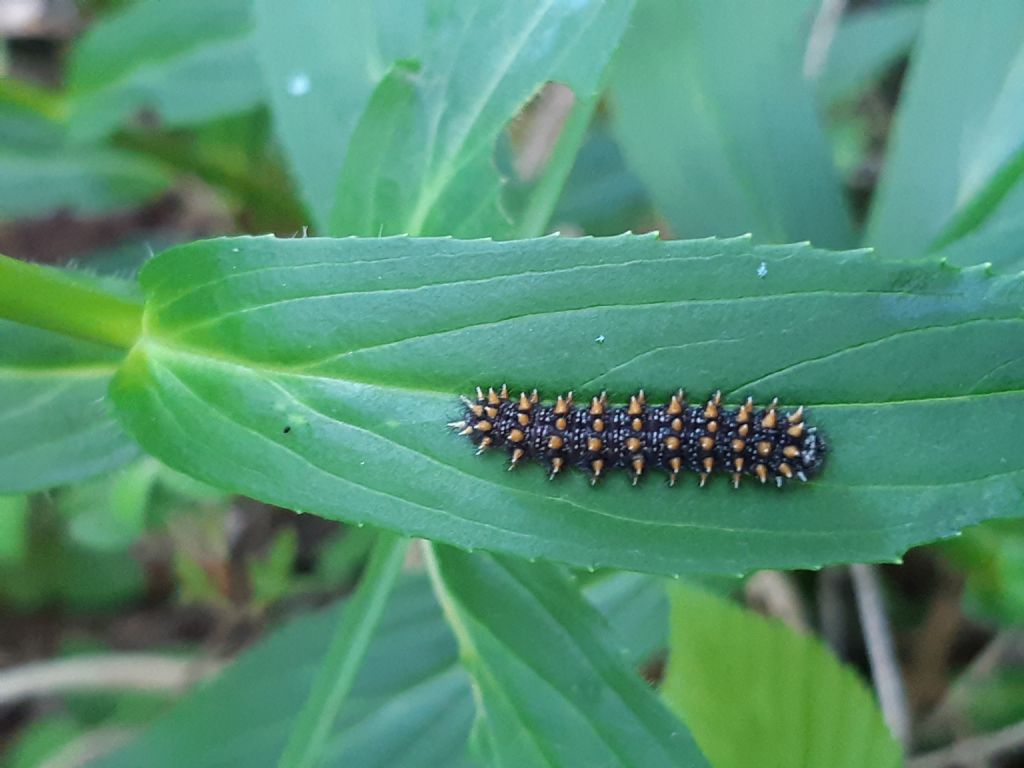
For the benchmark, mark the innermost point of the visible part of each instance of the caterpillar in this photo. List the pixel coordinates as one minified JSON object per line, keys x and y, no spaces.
{"x":764,"y":443}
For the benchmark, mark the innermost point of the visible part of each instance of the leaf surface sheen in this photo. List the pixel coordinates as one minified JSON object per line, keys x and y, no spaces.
{"x":321,"y":62}
{"x":550,"y":688}
{"x":410,"y":707}
{"x":421,"y":159}
{"x":320,"y":374}
{"x":735,"y":145}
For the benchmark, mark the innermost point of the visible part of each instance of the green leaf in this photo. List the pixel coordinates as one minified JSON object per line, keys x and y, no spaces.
{"x":13,"y":528}
{"x":736,"y":146}
{"x":636,"y":607}
{"x":866,"y":44}
{"x":109,"y":512}
{"x":84,"y":181}
{"x":271,"y":576}
{"x":998,"y":244}
{"x":56,"y":425}
{"x":322,"y":61}
{"x":29,"y":117}
{"x":551,"y":688}
{"x":40,"y":174}
{"x":992,"y":558}
{"x":992,"y":180}
{"x":959,"y":121}
{"x":56,"y":574}
{"x":42,"y":739}
{"x":410,"y":707}
{"x":344,"y":657}
{"x":421,"y":159}
{"x":319,"y":374}
{"x":756,"y":693}
{"x":188,"y":60}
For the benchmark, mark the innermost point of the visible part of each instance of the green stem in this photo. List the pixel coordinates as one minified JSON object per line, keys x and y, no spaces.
{"x":50,"y":298}
{"x":345,"y":655}
{"x":545,"y":195}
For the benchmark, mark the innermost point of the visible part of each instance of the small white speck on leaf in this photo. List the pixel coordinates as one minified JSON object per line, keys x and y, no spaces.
{"x":762,"y":271}
{"x":299,"y":84}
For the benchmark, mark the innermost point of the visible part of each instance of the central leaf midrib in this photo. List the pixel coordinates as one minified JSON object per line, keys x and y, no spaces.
{"x":303,"y":369}
{"x":570,"y":502}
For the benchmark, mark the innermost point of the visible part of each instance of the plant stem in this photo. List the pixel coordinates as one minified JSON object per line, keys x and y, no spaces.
{"x":545,"y":196}
{"x":885,"y":669}
{"x":345,"y":654}
{"x":50,"y":298}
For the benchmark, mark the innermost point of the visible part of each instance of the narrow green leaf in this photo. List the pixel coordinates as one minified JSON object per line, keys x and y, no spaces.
{"x":409,"y":708}
{"x":544,"y":195}
{"x":81,"y":180}
{"x":344,"y":657}
{"x":959,"y":121}
{"x":756,"y":693}
{"x":551,"y":690}
{"x":319,"y":375}
{"x":42,"y":739}
{"x":56,"y":425}
{"x":736,"y":146}
{"x":322,"y":61}
{"x":41,"y":174}
{"x":996,"y":165}
{"x":187,"y":60}
{"x":421,"y":159}
{"x":410,"y":705}
{"x":866,"y":43}
{"x":13,"y":528}
{"x":980,"y":206}
{"x":998,"y":244}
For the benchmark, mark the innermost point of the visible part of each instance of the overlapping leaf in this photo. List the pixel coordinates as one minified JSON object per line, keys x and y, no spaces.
{"x":865,"y":44}
{"x":56,"y":424}
{"x":748,"y":685}
{"x":958,"y":129}
{"x":40,"y":174}
{"x":319,"y":375}
{"x":322,"y":61}
{"x":552,"y":691}
{"x":719,"y":121}
{"x":421,"y":159}
{"x":411,"y":704}
{"x":185,"y":60}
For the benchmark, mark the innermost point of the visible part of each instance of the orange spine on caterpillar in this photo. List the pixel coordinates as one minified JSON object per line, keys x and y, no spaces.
{"x":764,"y":443}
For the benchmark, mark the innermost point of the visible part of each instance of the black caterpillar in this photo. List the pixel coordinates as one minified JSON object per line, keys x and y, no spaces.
{"x":764,"y":443}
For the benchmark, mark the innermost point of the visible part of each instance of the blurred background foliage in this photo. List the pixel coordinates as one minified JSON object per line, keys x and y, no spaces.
{"x":127,"y":126}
